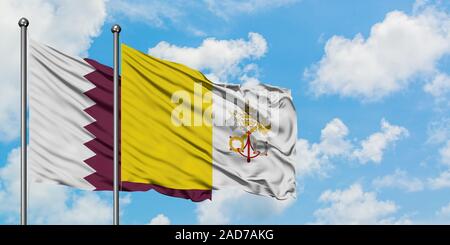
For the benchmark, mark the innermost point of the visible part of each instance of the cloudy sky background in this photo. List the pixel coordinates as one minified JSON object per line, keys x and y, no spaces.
{"x":370,"y":81}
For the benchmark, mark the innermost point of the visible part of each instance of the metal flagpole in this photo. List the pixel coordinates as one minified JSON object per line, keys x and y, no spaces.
{"x":116,"y":30}
{"x":23,"y":23}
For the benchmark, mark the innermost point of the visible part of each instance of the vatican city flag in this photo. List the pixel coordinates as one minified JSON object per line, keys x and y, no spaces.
{"x":182,"y":132}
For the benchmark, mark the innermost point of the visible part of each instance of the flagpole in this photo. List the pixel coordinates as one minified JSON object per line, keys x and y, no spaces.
{"x":116,"y":30}
{"x":23,"y":23}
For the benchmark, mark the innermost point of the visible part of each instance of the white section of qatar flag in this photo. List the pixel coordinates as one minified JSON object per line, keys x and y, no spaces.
{"x":57,"y":118}
{"x":254,"y":137}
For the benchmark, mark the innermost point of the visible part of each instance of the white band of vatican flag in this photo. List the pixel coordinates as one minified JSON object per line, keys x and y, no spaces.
{"x":259,"y":124}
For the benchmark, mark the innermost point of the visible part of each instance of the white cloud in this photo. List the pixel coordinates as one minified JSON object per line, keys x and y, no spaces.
{"x":332,"y":138}
{"x":397,"y":49}
{"x":229,"y":206}
{"x":160,"y":219}
{"x":49,"y":204}
{"x":315,"y":158}
{"x":439,"y":86}
{"x":227,"y":65}
{"x":9,"y":183}
{"x":445,"y":153}
{"x":219,"y":210}
{"x":66,"y":25}
{"x":444,"y":211}
{"x":87,"y":208}
{"x":354,"y":206}
{"x":439,"y":131}
{"x":373,"y":147}
{"x":439,"y":134}
{"x":310,"y":160}
{"x":399,"y":179}
{"x":229,"y":8}
{"x":442,"y":181}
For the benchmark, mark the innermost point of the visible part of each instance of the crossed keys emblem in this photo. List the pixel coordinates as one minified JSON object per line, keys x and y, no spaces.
{"x":243,"y":144}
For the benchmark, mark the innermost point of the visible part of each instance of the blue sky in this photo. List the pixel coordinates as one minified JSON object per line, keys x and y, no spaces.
{"x":370,"y":82}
